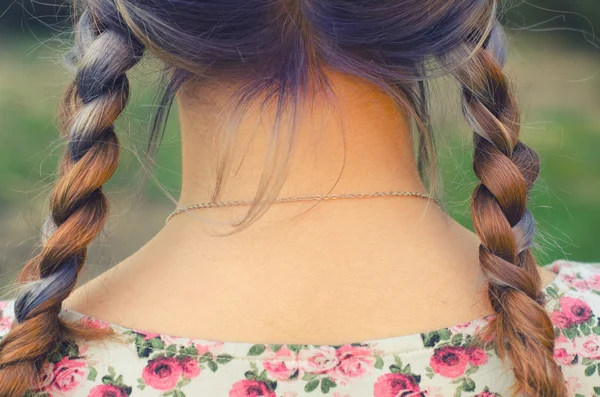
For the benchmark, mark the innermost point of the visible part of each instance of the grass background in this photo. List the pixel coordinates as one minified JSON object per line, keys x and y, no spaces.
{"x":558,"y":88}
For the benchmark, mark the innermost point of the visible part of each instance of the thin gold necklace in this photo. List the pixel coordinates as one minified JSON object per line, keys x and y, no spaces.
{"x":302,"y":198}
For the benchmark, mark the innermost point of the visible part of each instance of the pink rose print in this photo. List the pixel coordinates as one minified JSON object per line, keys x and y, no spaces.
{"x":561,"y":339}
{"x":449,"y":361}
{"x":189,"y":367}
{"x":250,"y":388}
{"x":588,"y":346}
{"x":432,"y":391}
{"x":581,"y":284}
{"x":278,"y":366}
{"x":486,"y":394}
{"x":477,"y":356}
{"x":108,"y":391}
{"x":355,"y":361}
{"x":162,"y":373}
{"x":46,"y":376}
{"x":5,"y":323}
{"x":576,"y":310}
{"x":563,"y":357}
{"x":560,"y":319}
{"x":148,"y":335}
{"x":572,"y":384}
{"x":569,"y":278}
{"x":458,"y":328}
{"x":68,"y":374}
{"x":202,"y":349}
{"x":471,"y":327}
{"x":321,"y":360}
{"x":594,"y":282}
{"x":214,"y":348}
{"x":396,"y":384}
{"x":94,"y":323}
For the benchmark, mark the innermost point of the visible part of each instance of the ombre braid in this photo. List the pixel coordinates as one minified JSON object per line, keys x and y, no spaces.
{"x":507,"y":170}
{"x":79,"y":208}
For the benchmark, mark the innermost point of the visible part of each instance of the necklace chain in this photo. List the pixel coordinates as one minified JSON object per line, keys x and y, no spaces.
{"x":302,"y":198}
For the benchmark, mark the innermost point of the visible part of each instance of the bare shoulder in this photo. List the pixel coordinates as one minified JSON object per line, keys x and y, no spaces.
{"x":96,"y":296}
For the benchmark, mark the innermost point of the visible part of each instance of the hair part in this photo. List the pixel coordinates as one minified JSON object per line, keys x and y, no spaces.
{"x":279,"y":58}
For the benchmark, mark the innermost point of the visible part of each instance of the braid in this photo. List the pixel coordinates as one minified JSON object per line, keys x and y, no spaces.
{"x":507,"y":170}
{"x":79,"y":208}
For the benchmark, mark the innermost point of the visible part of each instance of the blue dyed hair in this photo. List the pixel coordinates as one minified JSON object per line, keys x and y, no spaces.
{"x":277,"y":51}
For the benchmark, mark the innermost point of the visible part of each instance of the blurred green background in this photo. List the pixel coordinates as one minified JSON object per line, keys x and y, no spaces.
{"x":554,"y":59}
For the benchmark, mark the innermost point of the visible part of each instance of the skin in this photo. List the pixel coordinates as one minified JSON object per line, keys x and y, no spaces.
{"x":326,"y":272}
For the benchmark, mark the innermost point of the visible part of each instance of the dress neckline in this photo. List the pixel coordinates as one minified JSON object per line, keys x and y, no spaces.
{"x":249,"y":350}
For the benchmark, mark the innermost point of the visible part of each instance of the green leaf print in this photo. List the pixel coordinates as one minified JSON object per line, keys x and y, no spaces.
{"x":92,"y":374}
{"x":430,"y":338}
{"x":379,"y":363}
{"x":189,"y":351}
{"x":256,"y":350}
{"x":570,"y":333}
{"x":552,"y":292}
{"x":589,"y":370}
{"x":308,"y":376}
{"x":296,"y":348}
{"x":326,"y":384}
{"x":312,"y":385}
{"x":224,"y":358}
{"x":263,"y":375}
{"x":143,"y":347}
{"x":596,"y":330}
{"x":272,"y":384}
{"x":205,"y":357}
{"x":171,"y":350}
{"x":398,"y":360}
{"x":275,"y":348}
{"x":157,"y":343}
{"x":585,"y":329}
{"x":469,"y":385}
{"x":212,"y":366}
{"x":597,"y":390}
{"x":54,"y":357}
{"x":456,"y":339}
{"x":444,"y":334}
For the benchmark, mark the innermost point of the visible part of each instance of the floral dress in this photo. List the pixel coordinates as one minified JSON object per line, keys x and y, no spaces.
{"x":440,"y":363}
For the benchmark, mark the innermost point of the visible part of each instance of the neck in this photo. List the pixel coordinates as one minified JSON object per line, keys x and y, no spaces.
{"x":372,"y":151}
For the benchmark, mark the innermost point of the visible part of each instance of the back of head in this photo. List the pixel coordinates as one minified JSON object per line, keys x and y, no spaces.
{"x":279,"y":51}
